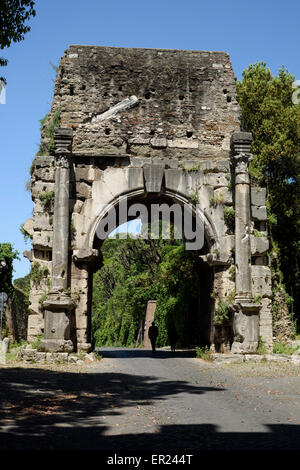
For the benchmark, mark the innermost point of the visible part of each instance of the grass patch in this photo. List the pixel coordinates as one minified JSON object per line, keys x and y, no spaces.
{"x":204,"y":353}
{"x":282,"y":348}
{"x":261,"y":348}
{"x":37,"y":342}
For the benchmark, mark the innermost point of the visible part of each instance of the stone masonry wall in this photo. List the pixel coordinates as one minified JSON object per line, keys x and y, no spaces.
{"x":185,"y":101}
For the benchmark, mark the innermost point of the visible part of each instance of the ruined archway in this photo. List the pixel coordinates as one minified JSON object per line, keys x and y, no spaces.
{"x":145,"y":123}
{"x":195,"y":321}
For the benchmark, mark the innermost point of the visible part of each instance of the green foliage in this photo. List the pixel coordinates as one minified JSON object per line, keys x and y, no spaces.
{"x":23,"y":284}
{"x":72,"y":230}
{"x":48,"y":124}
{"x":257,"y":298}
{"x":195,"y":167}
{"x":222,"y":314}
{"x":230,"y":185}
{"x":47,"y":200}
{"x":135,"y":271}
{"x":42,"y":300}
{"x":193,"y":198}
{"x":232,"y":273}
{"x":13,"y":16}
{"x":268,"y":112}
{"x":7,"y":257}
{"x":258,"y":234}
{"x":168,"y":70}
{"x":38,"y":273}
{"x":37,"y":342}
{"x":282,"y":348}
{"x":261,"y":348}
{"x":229,"y":217}
{"x":204,"y":353}
{"x":216,"y":200}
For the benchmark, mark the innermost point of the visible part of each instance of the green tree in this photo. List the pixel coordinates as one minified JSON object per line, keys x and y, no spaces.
{"x":13,"y":16}
{"x":7,"y":257}
{"x":268,"y":112}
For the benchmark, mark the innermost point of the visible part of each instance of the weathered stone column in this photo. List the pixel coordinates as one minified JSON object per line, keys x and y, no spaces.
{"x":245,"y":322}
{"x":59,"y":304}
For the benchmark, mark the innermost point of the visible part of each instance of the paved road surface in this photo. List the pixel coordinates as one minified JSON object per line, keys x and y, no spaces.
{"x":138,"y":401}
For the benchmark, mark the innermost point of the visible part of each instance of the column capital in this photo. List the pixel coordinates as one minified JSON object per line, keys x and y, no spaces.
{"x":241,"y":162}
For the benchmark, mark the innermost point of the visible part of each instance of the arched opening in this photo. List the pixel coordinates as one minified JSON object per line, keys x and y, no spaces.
{"x":180,"y":282}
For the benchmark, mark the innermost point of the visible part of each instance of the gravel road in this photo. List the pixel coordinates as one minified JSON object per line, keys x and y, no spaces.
{"x":135,"y":400}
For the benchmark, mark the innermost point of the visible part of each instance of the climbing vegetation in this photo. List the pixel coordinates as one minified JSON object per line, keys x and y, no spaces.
{"x":47,"y":200}
{"x":48,"y":124}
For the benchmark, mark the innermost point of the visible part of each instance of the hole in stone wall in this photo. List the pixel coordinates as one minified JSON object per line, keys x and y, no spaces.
{"x":148,"y":95}
{"x":260,"y":225}
{"x":107,"y":131}
{"x":83,"y":87}
{"x":181,"y":97}
{"x":62,"y":273}
{"x":228,"y":98}
{"x":152,"y":132}
{"x":71,"y":90}
{"x":105,"y":93}
{"x":120,"y":88}
{"x":224,"y":91}
{"x":263,"y":226}
{"x":189,"y":134}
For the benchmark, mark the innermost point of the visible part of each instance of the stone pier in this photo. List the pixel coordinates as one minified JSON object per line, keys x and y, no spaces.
{"x":59,"y":305}
{"x":246,"y":320}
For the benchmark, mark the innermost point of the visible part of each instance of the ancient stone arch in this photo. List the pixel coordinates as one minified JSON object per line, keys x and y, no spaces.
{"x":142,"y":125}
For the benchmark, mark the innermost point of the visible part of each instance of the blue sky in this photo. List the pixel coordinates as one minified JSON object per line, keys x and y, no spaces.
{"x":252,"y":31}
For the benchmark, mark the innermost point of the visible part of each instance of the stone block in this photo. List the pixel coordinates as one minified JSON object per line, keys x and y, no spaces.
{"x":175,"y":180}
{"x":42,"y":222}
{"x":217,"y":180}
{"x":261,"y":281}
{"x":42,"y":239}
{"x":35,"y":326}
{"x":45,"y":174}
{"x":40,"y":356}
{"x":259,"y":245}
{"x":28,"y":226}
{"x":159,"y":142}
{"x":223,"y":194}
{"x":205,"y":194}
{"x":183,"y":143}
{"x":28,"y":354}
{"x":153,"y":175}
{"x":259,"y":213}
{"x":40,"y":186}
{"x":60,"y":356}
{"x":135,"y":178}
{"x":258,"y":196}
{"x":77,"y":206}
{"x":83,"y":190}
{"x":42,"y":161}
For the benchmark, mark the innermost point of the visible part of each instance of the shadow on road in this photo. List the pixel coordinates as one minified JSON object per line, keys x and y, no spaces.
{"x":47,"y":410}
{"x":125,"y":353}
